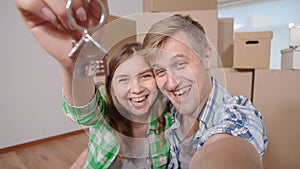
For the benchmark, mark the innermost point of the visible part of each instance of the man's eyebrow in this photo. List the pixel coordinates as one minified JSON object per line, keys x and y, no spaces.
{"x":155,"y":66}
{"x":173,"y":58}
{"x":179,"y":56}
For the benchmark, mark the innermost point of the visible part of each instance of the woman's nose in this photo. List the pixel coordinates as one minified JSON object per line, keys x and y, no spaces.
{"x":135,"y":86}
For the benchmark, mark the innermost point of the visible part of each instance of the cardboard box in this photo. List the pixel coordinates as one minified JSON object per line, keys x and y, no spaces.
{"x":114,"y":34}
{"x":178,"y":5}
{"x":225,"y":41}
{"x":207,"y":18}
{"x":294,"y":34}
{"x":276,"y":96}
{"x":290,"y":58}
{"x":252,"y":50}
{"x":238,"y":82}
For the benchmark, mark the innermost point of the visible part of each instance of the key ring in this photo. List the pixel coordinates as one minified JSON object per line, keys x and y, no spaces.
{"x":83,"y":29}
{"x":88,"y":53}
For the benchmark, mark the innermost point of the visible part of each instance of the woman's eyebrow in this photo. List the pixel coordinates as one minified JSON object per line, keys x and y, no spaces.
{"x":121,"y":76}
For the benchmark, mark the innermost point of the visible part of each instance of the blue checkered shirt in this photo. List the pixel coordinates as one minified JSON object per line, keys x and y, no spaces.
{"x":222,"y":113}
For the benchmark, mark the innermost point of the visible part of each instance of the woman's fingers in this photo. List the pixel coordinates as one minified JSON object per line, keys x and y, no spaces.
{"x":59,"y":9}
{"x":34,"y":12}
{"x":48,"y":22}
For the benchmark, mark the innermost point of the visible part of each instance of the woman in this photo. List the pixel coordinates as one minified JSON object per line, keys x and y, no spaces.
{"x":131,"y":96}
{"x":131,"y":93}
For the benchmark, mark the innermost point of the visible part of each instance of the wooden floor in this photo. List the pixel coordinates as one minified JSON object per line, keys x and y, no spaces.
{"x":55,"y":154}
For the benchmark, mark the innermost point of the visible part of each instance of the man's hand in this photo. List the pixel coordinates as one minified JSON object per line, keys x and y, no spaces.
{"x":227,"y":153}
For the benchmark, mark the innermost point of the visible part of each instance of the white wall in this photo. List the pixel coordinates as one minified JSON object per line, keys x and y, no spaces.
{"x":30,"y":85}
{"x":264,"y":16}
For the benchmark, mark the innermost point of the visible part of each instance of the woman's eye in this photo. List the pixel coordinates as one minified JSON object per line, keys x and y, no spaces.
{"x":123,"y":80}
{"x":147,"y":76}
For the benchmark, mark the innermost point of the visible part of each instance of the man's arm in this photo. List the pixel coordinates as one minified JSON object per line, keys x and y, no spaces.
{"x":226,"y":152}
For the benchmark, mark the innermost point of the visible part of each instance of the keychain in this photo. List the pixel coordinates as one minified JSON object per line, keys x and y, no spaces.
{"x":88,"y":55}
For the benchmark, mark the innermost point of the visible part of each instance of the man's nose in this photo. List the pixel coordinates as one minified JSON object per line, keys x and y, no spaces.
{"x":172,"y":81}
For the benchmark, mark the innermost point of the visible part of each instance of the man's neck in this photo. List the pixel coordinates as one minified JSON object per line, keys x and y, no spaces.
{"x":189,"y":127}
{"x":190,"y":122}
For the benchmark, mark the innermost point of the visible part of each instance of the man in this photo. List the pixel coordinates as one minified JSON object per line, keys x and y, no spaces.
{"x":212,"y":128}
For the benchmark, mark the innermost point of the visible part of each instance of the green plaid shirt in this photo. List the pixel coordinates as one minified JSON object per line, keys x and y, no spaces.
{"x":103,"y":145}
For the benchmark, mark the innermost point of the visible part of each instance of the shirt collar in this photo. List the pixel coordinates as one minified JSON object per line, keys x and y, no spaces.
{"x":204,"y":115}
{"x":153,"y":125}
{"x":213,"y":103}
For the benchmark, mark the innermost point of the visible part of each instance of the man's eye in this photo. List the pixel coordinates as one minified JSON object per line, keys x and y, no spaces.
{"x":180,"y":64}
{"x":160,"y":72}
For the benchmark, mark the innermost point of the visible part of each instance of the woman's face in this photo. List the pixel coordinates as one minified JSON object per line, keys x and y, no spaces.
{"x":134,"y":88}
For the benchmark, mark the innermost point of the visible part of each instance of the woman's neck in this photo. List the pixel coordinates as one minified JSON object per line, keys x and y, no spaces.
{"x":139,"y":129}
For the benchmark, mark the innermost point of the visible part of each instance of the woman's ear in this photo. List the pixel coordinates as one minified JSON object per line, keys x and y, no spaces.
{"x":113,"y":94}
{"x":207,"y":60}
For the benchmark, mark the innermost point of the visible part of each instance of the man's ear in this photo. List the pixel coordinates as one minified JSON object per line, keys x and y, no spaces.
{"x":207,"y":60}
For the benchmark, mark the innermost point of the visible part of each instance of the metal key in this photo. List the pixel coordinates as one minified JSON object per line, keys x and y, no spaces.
{"x":89,"y":56}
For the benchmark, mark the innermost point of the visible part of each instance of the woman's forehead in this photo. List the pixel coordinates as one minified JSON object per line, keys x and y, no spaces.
{"x":133,"y":65}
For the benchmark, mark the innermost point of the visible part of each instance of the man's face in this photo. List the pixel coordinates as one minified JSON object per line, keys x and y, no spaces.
{"x":182,"y":77}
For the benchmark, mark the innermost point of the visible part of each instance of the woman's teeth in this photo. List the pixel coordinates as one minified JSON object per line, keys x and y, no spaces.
{"x":138,"y":99}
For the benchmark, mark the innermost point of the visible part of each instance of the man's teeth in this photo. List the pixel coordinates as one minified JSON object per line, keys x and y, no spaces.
{"x":139,"y":99}
{"x":182,"y":91}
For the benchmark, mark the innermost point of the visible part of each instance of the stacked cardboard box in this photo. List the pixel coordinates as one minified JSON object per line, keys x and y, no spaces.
{"x":111,"y":37}
{"x":225,"y":41}
{"x":290,"y":57}
{"x":243,"y":50}
{"x":238,"y":82}
{"x":276,"y":95}
{"x":252,"y":50}
{"x":294,"y":35}
{"x":178,"y":5}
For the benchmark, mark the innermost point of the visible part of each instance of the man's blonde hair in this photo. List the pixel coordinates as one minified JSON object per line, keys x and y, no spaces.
{"x":167,"y":28}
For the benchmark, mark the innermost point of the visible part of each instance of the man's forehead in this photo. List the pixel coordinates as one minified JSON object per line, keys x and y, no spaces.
{"x":162,"y":59}
{"x":157,"y":60}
